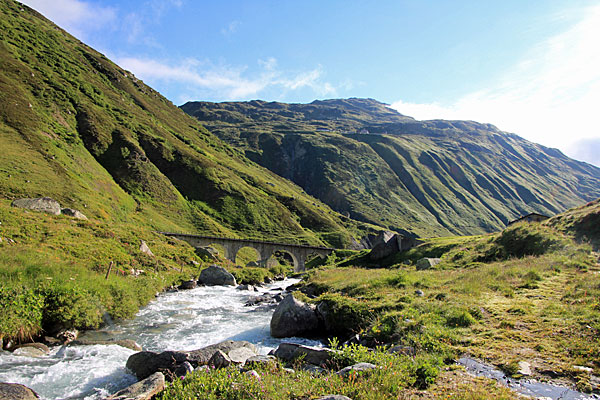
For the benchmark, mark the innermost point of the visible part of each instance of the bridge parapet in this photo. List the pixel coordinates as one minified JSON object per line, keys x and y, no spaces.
{"x":298,"y":252}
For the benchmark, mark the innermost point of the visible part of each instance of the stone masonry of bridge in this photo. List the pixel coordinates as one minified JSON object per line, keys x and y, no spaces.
{"x":298,"y":252}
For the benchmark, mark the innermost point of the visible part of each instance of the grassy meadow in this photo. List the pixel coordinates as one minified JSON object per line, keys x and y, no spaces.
{"x":529,"y":293}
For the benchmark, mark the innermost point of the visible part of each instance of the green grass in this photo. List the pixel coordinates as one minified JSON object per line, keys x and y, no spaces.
{"x":53,"y":271}
{"x":529,"y":293}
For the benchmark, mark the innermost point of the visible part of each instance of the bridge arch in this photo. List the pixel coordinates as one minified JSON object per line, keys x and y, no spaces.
{"x":242,"y":256}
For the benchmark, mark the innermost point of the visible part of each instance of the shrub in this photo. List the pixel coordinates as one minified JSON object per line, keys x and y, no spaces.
{"x":21,"y":316}
{"x":68,"y":306}
{"x":462,"y":319}
{"x":343,"y":315}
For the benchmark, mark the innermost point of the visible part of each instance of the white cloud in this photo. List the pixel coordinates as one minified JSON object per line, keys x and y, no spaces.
{"x":75,"y":16}
{"x":224,"y":81}
{"x":551,"y":97}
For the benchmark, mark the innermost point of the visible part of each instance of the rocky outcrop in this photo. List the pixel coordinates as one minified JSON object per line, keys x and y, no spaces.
{"x":207,"y":251}
{"x":215,"y":275}
{"x":201,"y":356}
{"x":15,"y":391}
{"x":385,"y":244}
{"x":219,"y":360}
{"x":293,"y":317}
{"x":146,"y":363}
{"x":142,"y":390}
{"x":173,"y":363}
{"x":70,"y":212}
{"x":427,"y":263}
{"x":312,"y":355}
{"x":42,"y":204}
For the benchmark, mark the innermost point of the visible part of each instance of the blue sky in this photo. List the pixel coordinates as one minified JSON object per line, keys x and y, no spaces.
{"x":529,"y":67}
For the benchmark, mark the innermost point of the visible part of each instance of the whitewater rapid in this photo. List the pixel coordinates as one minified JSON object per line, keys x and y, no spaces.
{"x":184,"y":320}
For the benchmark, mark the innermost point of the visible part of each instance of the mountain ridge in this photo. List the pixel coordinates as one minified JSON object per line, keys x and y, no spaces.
{"x":433,"y":177}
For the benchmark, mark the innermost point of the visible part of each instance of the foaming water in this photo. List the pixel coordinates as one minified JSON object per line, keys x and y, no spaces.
{"x":184,"y":320}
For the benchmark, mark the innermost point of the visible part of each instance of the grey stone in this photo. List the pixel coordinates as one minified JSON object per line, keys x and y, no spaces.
{"x":311,"y":355}
{"x":142,"y":390}
{"x":201,"y":356}
{"x":419,"y":293}
{"x":73,"y":213}
{"x":183,"y":369}
{"x":360,"y":367}
{"x":40,"y":347}
{"x":15,"y":391}
{"x":524,"y":368}
{"x":29,"y":352}
{"x":145,"y":249}
{"x":215,"y":275}
{"x":240,"y":355}
{"x":185,"y":285}
{"x":127,"y":343}
{"x":427,"y":263}
{"x":219,"y":360}
{"x":42,"y":204}
{"x":292,"y":318}
{"x":313,"y":369}
{"x":209,"y":251}
{"x":146,"y":363}
{"x":384,"y":245}
{"x":261,"y":360}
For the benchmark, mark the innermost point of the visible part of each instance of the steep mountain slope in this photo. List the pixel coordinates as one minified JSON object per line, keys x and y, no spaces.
{"x":428,"y":177}
{"x":76,"y":127}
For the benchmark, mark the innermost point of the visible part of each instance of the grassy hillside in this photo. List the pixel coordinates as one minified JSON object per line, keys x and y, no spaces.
{"x":428,"y":177}
{"x":76,"y":127}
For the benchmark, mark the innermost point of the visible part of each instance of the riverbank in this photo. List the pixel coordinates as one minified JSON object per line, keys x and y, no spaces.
{"x":183,"y":320}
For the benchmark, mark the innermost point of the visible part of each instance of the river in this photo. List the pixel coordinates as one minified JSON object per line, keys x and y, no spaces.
{"x":185,"y":320}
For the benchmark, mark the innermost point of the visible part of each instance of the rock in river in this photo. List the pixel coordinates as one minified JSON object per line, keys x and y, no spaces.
{"x":215,"y":275}
{"x":14,"y":391}
{"x":293,"y":317}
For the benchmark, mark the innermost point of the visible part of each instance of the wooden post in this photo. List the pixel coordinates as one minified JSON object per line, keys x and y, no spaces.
{"x":109,"y":268}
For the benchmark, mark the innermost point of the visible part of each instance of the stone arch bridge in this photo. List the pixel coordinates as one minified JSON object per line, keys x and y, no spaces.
{"x":298,"y":252}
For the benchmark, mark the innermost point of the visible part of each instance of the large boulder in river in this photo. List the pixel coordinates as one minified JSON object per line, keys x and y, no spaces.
{"x":146,"y":363}
{"x":215,"y":275}
{"x":15,"y":391}
{"x":231,"y":348}
{"x":43,"y":204}
{"x":142,"y":390}
{"x":293,"y":318}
